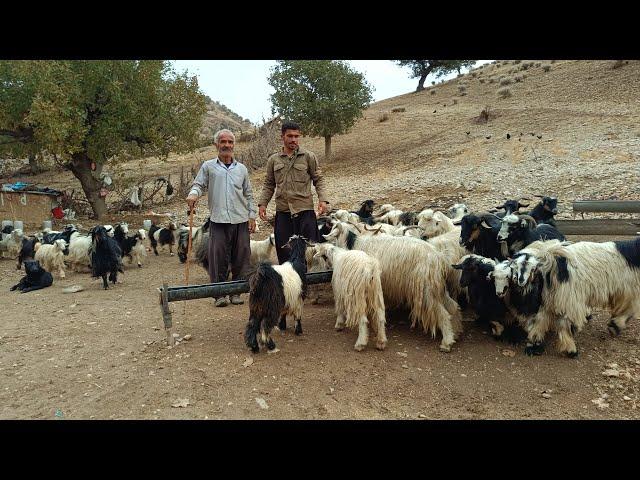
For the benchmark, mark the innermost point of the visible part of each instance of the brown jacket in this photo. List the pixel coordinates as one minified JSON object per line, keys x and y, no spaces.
{"x":291,"y":181}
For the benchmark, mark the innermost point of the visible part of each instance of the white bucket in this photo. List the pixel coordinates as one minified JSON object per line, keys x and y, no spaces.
{"x":18,"y":225}
{"x":146,"y":224}
{"x":46,"y":224}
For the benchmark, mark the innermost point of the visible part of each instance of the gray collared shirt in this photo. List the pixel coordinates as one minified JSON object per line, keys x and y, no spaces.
{"x":229,"y":191}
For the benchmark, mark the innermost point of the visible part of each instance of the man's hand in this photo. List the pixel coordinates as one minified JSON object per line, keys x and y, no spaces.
{"x":262,"y":211}
{"x":252,"y":225}
{"x":191,"y":201}
{"x":323,"y":207}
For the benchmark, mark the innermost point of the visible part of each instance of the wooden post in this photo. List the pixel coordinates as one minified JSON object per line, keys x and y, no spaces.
{"x":166,"y":313}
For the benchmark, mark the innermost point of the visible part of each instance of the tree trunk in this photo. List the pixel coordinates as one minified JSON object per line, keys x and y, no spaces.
{"x":327,"y":147}
{"x":423,"y":76}
{"x":90,"y":180}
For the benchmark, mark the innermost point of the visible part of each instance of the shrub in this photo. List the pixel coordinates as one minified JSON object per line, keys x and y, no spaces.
{"x":504,"y":93}
{"x":398,"y":109}
{"x":266,"y":140}
{"x":516,"y":62}
{"x":617,"y":64}
{"x":474,"y":74}
{"x":485,"y":116}
{"x":433,"y":82}
{"x":553,"y":61}
{"x":384,"y":117}
{"x":482,"y":80}
{"x":518,"y":78}
{"x":492,"y":80}
{"x":462,"y":88}
{"x":506,"y":81}
{"x":546,"y":67}
{"x":433,"y":92}
{"x":455,"y":101}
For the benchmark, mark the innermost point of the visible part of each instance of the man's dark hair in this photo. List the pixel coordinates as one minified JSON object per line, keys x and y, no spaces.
{"x":290,"y":126}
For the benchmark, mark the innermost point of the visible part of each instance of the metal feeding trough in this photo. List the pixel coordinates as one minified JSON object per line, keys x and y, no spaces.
{"x":192,"y":292}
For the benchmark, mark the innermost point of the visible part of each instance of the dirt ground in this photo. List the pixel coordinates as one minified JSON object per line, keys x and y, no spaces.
{"x":101,"y":354}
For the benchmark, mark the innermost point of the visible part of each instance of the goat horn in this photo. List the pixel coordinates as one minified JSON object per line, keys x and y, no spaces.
{"x":357,"y":227}
{"x":529,"y":218}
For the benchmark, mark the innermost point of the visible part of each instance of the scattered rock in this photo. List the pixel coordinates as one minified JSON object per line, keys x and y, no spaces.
{"x":546,"y":395}
{"x":422,"y":415}
{"x":73,"y":289}
{"x":508,"y":352}
{"x":187,"y":337}
{"x":275,"y":350}
{"x":247,"y":362}
{"x":402,"y":354}
{"x":263,"y":405}
{"x":600,"y":403}
{"x":181,"y":403}
{"x":626,"y":398}
{"x":611,"y":373}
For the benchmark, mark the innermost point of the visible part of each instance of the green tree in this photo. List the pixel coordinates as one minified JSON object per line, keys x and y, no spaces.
{"x":422,"y":68}
{"x":325,"y":97}
{"x":90,"y":113}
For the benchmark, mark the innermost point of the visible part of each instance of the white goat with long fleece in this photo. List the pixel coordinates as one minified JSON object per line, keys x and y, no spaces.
{"x":12,"y":243}
{"x":51,"y":257}
{"x":357,"y":292}
{"x":413,"y":273}
{"x":434,"y":223}
{"x":581,"y":276}
{"x":79,"y":248}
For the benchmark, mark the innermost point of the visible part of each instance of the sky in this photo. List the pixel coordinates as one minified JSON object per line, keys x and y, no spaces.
{"x":241,"y":85}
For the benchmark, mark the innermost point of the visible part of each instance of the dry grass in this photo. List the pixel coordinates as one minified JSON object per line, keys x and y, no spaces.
{"x":485,"y":116}
{"x":384,"y":117}
{"x":506,"y":81}
{"x":266,"y":141}
{"x":462,"y":88}
{"x":433,"y":92}
{"x":618,"y":64}
{"x":504,"y":93}
{"x":398,"y":109}
{"x":546,"y":67}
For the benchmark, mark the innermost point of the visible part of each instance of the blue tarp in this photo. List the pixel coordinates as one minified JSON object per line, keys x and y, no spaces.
{"x":29,"y":187}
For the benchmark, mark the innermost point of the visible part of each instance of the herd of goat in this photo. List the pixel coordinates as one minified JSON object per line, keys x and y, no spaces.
{"x":514,"y":270}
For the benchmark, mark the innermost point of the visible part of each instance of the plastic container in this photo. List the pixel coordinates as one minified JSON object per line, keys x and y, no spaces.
{"x":18,"y":225}
{"x":6,"y":222}
{"x":46,"y":224}
{"x":146,"y":224}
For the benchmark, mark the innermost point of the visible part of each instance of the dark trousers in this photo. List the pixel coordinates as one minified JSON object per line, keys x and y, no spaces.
{"x":228,"y":247}
{"x":302,"y":223}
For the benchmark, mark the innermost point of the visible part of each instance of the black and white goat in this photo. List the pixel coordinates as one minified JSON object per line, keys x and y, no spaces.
{"x":65,"y":234}
{"x":36,"y":278}
{"x":106,"y":256}
{"x":274,"y":292}
{"x":510,"y":206}
{"x":545,"y":211}
{"x":521,"y":230}
{"x":131,"y":246}
{"x":199,"y":243}
{"x":163,"y":236}
{"x":580,"y":277}
{"x":477,"y":277}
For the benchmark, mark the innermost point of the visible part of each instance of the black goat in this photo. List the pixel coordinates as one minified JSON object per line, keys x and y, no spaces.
{"x":489,"y":308}
{"x":544,"y":211}
{"x":366,"y":212}
{"x":275,"y":291}
{"x":408,"y":218}
{"x":478,"y":234}
{"x":325,"y":224}
{"x":37,"y":278}
{"x":65,"y":234}
{"x":106,"y":256}
{"x":162,"y":236}
{"x":511,"y":206}
{"x":27,"y":251}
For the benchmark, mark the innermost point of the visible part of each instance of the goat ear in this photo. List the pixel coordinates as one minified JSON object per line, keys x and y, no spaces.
{"x":457,"y":222}
{"x":457,"y":267}
{"x":523,"y":223}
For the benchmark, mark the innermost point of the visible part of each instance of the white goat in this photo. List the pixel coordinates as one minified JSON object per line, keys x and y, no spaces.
{"x":434,"y":223}
{"x":261,"y":250}
{"x":12,"y":243}
{"x":413,"y":273}
{"x":357,"y":292}
{"x":51,"y":257}
{"x":79,"y":252}
{"x":391,"y":217}
{"x":457,"y":211}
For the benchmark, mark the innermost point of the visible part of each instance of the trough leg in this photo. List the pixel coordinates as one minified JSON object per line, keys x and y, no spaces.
{"x":166,"y":313}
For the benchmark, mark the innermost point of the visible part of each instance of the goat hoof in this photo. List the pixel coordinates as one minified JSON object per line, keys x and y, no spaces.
{"x":381,"y":345}
{"x":572,"y":354}
{"x":139,"y":265}
{"x":613,"y":329}
{"x":534,"y":349}
{"x":298,"y":330}
{"x":445,"y":348}
{"x":255,"y":348}
{"x":282,"y":325}
{"x":271,"y":344}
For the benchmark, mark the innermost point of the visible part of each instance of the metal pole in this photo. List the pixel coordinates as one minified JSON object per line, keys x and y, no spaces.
{"x":618,"y":206}
{"x":166,"y":313}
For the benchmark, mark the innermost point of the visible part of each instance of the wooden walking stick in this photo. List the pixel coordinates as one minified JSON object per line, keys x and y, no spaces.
{"x":186,"y":273}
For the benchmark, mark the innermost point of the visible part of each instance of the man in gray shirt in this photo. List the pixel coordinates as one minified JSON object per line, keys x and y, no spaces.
{"x":233,"y":212}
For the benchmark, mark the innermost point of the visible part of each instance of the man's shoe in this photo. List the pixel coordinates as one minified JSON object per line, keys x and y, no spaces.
{"x":221,"y":302}
{"x":236,"y":300}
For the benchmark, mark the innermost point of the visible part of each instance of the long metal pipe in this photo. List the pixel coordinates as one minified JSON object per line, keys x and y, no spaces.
{"x":618,"y":206}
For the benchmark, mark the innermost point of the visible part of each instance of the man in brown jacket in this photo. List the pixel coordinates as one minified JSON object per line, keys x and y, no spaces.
{"x":290,"y":173}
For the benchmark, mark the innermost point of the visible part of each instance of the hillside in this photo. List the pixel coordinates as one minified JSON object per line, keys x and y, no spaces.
{"x":219,"y":116}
